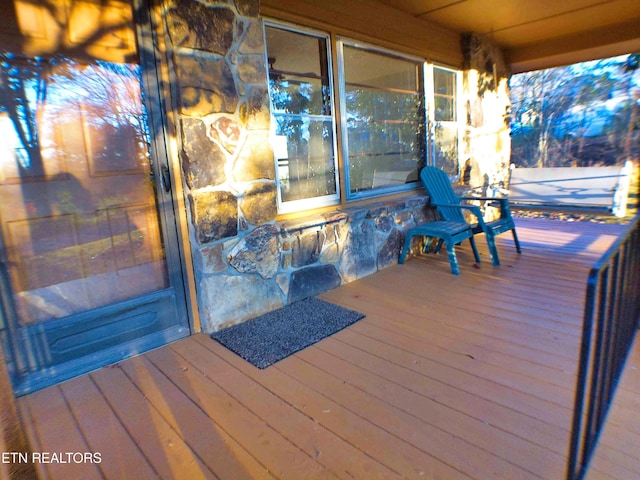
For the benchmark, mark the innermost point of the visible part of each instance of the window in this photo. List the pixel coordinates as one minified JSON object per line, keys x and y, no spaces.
{"x":302,"y":109}
{"x":383,"y":120}
{"x":445,"y":120}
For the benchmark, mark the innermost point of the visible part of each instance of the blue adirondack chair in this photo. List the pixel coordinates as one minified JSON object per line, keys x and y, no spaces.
{"x":450,"y":207}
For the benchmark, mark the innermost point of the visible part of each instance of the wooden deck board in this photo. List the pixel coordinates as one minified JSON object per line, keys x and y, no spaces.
{"x":446,"y":377}
{"x":350,"y":422}
{"x":164,"y":447}
{"x":104,"y":432}
{"x":493,"y":452}
{"x":208,"y":439}
{"x":344,"y":423}
{"x":270,"y":447}
{"x":56,"y":430}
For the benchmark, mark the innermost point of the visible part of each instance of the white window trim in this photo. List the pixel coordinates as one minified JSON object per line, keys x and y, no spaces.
{"x":314,"y":202}
{"x":378,"y":192}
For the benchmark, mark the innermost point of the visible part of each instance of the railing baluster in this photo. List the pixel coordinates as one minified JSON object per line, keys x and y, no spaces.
{"x":612,"y":308}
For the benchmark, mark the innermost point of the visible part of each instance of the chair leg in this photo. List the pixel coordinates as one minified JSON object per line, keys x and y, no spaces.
{"x":474,"y":248}
{"x":493,"y":250}
{"x":453,"y":261}
{"x":515,"y":240}
{"x":405,"y":249}
{"x":438,"y":246}
{"x":426,"y":246}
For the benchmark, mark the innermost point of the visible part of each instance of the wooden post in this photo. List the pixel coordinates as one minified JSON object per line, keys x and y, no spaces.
{"x":13,"y":441}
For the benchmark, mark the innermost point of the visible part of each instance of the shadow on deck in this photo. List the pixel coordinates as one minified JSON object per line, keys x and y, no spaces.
{"x":447,"y":377}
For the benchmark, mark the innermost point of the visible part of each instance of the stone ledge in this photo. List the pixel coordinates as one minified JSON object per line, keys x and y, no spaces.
{"x":312,"y":221}
{"x":352,"y":213}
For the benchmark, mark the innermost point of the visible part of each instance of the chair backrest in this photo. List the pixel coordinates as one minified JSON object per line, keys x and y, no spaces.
{"x":441,"y":192}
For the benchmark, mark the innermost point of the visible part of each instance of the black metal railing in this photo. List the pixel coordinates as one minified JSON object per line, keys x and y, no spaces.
{"x":610,"y":322}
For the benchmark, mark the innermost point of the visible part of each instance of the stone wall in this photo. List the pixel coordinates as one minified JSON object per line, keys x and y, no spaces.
{"x":245,"y":262}
{"x":487,"y":140}
{"x":274,"y":264}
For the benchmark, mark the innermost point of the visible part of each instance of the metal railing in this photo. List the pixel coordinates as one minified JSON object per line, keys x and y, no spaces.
{"x":611,"y":317}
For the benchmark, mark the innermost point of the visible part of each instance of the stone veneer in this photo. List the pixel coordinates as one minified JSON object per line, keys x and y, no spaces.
{"x":245,"y":262}
{"x":270,"y":265}
{"x":487,"y":140}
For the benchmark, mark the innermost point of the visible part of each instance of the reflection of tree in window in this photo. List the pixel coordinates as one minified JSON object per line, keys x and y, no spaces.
{"x":446,"y":147}
{"x":445,"y":128}
{"x":76,"y":131}
{"x":385,"y":119}
{"x":301,"y":106}
{"x":41,"y":95}
{"x":107,"y":95}
{"x":21,"y":91}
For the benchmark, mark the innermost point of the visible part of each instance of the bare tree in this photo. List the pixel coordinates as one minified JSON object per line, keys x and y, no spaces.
{"x":576,"y":115}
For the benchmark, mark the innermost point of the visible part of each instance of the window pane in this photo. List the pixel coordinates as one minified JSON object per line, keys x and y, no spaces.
{"x":303,"y":142}
{"x":306,"y":167}
{"x":295,"y":52}
{"x":384,"y":120}
{"x":446,"y":147}
{"x":445,"y":109}
{"x":294,"y":94}
{"x":298,"y":72}
{"x":372,"y":69}
{"x":444,"y":82}
{"x":77,"y":205}
{"x":446,"y":132}
{"x":444,"y":86}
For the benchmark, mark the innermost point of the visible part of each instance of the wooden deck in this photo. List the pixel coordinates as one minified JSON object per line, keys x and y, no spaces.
{"x":447,"y":377}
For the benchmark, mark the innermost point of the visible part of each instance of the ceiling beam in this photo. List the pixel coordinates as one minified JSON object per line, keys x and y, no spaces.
{"x":373,"y":21}
{"x":604,"y":42}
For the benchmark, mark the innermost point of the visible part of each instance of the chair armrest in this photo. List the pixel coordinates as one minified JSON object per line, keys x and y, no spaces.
{"x":503,"y":201}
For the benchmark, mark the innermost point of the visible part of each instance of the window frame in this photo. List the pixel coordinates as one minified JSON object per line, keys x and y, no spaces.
{"x":342,"y":98}
{"x":293,"y":206}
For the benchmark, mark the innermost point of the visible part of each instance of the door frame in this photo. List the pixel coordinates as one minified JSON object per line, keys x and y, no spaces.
{"x":159,"y":82}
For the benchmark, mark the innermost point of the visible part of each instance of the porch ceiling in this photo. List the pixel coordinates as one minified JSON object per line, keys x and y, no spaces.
{"x":539,"y":34}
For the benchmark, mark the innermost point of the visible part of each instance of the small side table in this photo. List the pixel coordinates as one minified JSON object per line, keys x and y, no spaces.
{"x":451,"y":233}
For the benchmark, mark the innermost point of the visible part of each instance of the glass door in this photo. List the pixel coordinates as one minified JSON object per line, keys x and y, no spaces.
{"x":90,"y":266}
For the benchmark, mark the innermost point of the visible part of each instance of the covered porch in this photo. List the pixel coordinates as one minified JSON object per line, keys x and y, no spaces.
{"x":468,"y":376}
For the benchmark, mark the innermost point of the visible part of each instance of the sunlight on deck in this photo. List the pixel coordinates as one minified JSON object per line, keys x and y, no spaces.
{"x":447,"y":377}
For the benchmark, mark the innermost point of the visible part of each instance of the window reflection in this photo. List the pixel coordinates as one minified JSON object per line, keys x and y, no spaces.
{"x":445,"y":128}
{"x":385,"y":119}
{"x":78,"y":211}
{"x":303,"y":141}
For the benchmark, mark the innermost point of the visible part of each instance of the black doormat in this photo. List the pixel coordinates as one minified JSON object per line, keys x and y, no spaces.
{"x":273,"y":336}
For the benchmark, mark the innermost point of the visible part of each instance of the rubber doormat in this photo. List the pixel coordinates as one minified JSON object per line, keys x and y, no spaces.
{"x":274,"y":336}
